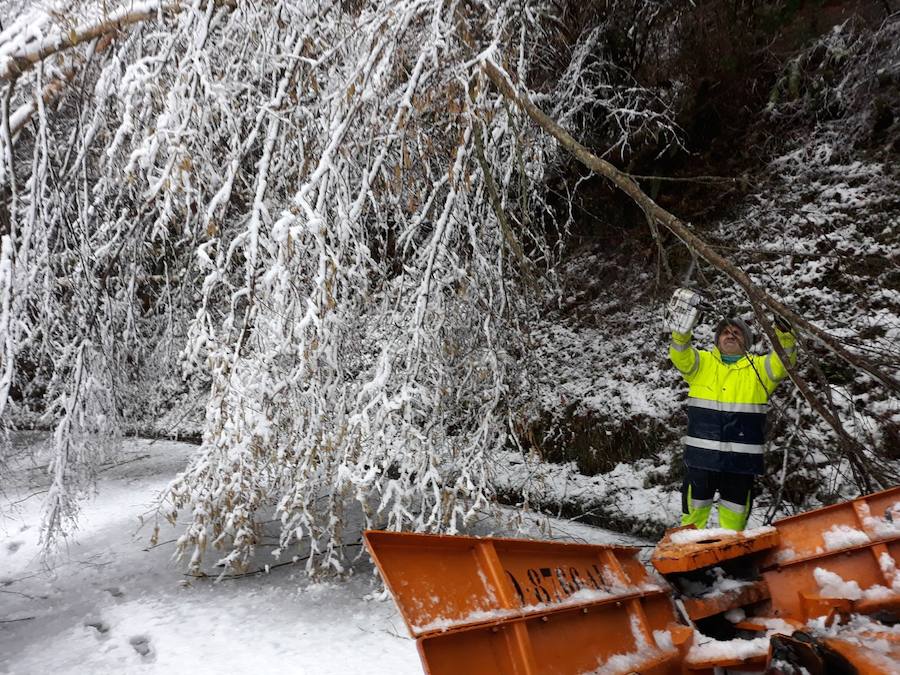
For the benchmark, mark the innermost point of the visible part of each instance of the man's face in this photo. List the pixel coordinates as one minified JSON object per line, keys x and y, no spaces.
{"x":731,"y":341}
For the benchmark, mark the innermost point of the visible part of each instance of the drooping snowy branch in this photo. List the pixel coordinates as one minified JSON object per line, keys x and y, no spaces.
{"x":23,"y":46}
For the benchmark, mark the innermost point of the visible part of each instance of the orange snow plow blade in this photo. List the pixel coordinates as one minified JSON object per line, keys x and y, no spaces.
{"x":489,"y":606}
{"x":512,"y":606}
{"x":699,"y":550}
{"x":718,"y":603}
{"x":873,"y":517}
{"x":838,"y":560}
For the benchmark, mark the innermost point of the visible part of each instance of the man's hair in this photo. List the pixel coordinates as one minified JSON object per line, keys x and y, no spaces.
{"x":738,"y":323}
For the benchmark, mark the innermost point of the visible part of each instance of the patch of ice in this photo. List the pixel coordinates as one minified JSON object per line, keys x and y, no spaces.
{"x":724,"y":584}
{"x":888,"y":526}
{"x":785,"y":555}
{"x":889,"y":568}
{"x":443,"y":624}
{"x":488,"y":587}
{"x":772,"y":625}
{"x":775,"y":625}
{"x":878,"y":592}
{"x":858,"y":625}
{"x":736,"y":615}
{"x":643,"y":653}
{"x":663,"y":640}
{"x":887,"y":564}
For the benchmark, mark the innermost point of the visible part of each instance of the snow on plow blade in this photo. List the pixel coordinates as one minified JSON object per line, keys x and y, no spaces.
{"x":819,"y":591}
{"x":513,"y":606}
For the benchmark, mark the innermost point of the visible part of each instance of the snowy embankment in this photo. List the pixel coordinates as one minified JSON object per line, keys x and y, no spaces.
{"x":109,"y":603}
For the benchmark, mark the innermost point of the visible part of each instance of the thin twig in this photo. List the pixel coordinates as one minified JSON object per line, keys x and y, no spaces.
{"x":33,"y":494}
{"x":162,"y":543}
{"x":693,"y":179}
{"x":24,"y":595}
{"x":118,"y":464}
{"x":257,"y":572}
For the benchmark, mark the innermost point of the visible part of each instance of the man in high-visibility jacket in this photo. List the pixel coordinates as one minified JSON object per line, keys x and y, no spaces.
{"x":727,"y":405}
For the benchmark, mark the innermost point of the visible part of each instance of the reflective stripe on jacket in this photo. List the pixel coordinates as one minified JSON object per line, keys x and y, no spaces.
{"x":727,"y":404}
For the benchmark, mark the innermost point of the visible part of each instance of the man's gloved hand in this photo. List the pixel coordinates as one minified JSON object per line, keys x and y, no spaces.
{"x":782,"y":324}
{"x":683,"y":311}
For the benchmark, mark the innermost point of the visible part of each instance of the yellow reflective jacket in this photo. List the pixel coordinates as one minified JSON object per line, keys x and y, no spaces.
{"x":727,"y":403}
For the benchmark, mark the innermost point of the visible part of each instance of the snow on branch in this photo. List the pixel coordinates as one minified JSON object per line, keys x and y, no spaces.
{"x":328,"y":223}
{"x":21,"y":53}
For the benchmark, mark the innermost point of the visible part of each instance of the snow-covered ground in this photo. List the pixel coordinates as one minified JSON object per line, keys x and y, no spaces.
{"x":110,"y":603}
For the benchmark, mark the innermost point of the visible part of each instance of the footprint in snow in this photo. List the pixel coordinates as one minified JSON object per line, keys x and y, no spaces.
{"x":101,"y":627}
{"x":141,"y":644}
{"x":13,"y":546}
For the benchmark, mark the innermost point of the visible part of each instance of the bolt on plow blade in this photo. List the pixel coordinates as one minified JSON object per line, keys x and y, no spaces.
{"x":521,"y":607}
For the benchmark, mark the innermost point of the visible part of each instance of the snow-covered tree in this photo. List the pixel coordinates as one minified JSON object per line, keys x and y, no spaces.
{"x":321,"y":209}
{"x":325,"y":220}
